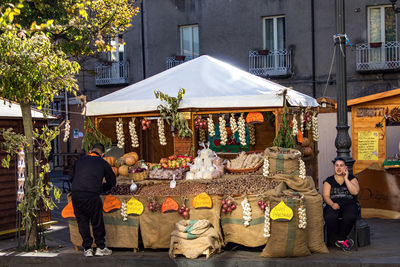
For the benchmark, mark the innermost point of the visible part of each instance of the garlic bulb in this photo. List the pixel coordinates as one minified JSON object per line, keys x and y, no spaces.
{"x":161,"y":132}
{"x":266,"y":167}
{"x":202,"y":136}
{"x":132,"y":131}
{"x":314,"y":126}
{"x":267,"y":222}
{"x":210,"y":124}
{"x":252,"y":134}
{"x":302,"y":122}
{"x":233,"y":124}
{"x":302,"y":169}
{"x":308,"y":121}
{"x":294,"y":128}
{"x":222,"y":130}
{"x":120,"y":133}
{"x":246,"y":211}
{"x":242,"y":130}
{"x":124,"y":213}
{"x":67,"y":131}
{"x":302,"y":215}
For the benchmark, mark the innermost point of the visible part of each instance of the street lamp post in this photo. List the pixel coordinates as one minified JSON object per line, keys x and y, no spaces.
{"x":342,"y":141}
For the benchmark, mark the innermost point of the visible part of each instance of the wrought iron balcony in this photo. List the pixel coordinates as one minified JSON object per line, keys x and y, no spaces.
{"x":112,"y":73}
{"x":270,"y":63}
{"x":378,"y":56}
{"x":176,"y":60}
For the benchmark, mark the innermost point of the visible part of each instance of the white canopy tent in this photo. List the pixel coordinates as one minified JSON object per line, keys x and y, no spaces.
{"x":13,"y":110}
{"x":209,"y":83}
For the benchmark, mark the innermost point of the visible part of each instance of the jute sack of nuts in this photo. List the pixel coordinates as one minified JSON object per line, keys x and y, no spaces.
{"x":283,"y":160}
{"x":287,"y":239}
{"x":119,"y":233}
{"x":313,"y":202}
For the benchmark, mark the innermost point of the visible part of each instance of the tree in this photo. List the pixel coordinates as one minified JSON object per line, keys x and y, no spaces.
{"x":40,"y":43}
{"x":284,"y":137}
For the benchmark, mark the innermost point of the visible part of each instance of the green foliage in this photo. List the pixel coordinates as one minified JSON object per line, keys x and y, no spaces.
{"x":284,"y":137}
{"x":93,"y":136}
{"x":169,"y":111}
{"x":12,"y":143}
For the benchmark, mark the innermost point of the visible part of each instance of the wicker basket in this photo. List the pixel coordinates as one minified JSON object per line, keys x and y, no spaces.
{"x":249,"y":170}
{"x":139,"y":176}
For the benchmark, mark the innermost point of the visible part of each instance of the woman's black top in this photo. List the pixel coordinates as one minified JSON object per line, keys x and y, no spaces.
{"x":340,"y":193}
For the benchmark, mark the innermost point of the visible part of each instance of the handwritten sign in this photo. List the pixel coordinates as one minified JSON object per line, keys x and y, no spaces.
{"x":169,"y":205}
{"x":134,"y":206}
{"x":202,"y":201}
{"x":367,"y":145}
{"x":281,"y":212}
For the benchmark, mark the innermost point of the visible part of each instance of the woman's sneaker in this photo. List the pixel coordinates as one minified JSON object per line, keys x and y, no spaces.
{"x":103,"y":252}
{"x":346,"y":245}
{"x":88,"y":252}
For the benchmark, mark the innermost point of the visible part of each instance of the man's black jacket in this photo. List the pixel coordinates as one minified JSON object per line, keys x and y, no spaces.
{"x":88,"y":175}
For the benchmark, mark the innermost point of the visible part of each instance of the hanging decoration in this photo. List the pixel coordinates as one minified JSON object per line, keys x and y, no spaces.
{"x":266,"y":167}
{"x":242,"y":130}
{"x":132,"y":131}
{"x":314,"y":126}
{"x":302,"y":214}
{"x":222,"y":130}
{"x":67,"y":131}
{"x":246,"y":211}
{"x":210,"y":122}
{"x":252,"y":134}
{"x":267,"y":221}
{"x":254,"y":117}
{"x":294,"y":127}
{"x":301,"y":122}
{"x":120,"y":133}
{"x":161,"y":132}
{"x":302,"y":169}
{"x":233,"y":124}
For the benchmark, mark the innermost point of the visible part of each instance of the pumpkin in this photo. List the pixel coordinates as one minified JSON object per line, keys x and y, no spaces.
{"x":119,"y":162}
{"x":110,"y":160}
{"x":130,"y":161}
{"x":307,"y":151}
{"x":306,"y":142}
{"x":123,"y":170}
{"x":131,"y":154}
{"x":254,"y":117}
{"x":115,"y":170}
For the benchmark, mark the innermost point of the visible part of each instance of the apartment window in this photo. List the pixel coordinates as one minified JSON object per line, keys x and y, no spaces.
{"x":118,"y":52}
{"x":190,"y":40}
{"x":274,"y":33}
{"x":381,"y":24}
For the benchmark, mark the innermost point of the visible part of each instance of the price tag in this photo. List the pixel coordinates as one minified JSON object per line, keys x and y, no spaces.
{"x":134,"y":206}
{"x":281,"y":212}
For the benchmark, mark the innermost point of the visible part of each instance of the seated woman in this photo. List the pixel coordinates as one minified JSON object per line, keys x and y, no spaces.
{"x":339,"y":193}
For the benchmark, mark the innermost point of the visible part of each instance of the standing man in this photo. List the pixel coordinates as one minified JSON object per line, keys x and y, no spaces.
{"x":87,"y":185}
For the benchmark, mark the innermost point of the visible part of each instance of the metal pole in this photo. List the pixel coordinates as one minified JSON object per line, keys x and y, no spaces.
{"x":342,"y":141}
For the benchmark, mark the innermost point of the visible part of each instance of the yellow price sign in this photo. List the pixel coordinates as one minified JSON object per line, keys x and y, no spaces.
{"x":134,"y":206}
{"x":281,"y":212}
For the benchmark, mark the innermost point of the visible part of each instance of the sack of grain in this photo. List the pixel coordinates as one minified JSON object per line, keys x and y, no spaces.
{"x":283,"y":160}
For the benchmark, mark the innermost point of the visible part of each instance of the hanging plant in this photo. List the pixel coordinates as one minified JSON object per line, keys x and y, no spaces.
{"x":119,"y":127}
{"x":161,"y":132}
{"x":222,"y":130}
{"x":93,"y":136}
{"x":132,"y":131}
{"x":242,"y":130}
{"x":67,"y":131}
{"x":169,"y":112}
{"x":284,"y":137}
{"x":210,"y":123}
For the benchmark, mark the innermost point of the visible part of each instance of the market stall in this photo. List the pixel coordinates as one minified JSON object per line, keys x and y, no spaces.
{"x":375,"y":146}
{"x":211,"y":155}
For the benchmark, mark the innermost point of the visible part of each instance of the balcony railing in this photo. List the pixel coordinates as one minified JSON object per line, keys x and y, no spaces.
{"x":176,"y":60}
{"x":378,"y":56}
{"x":112,"y":73}
{"x":272,"y":63}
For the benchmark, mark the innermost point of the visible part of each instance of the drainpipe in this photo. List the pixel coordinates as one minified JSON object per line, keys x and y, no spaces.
{"x":142,"y":36}
{"x":314,"y":91}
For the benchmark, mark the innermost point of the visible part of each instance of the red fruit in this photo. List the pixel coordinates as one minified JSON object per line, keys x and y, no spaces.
{"x":229,"y":209}
{"x":233,"y":206}
{"x":223,"y":210}
{"x":260,"y":203}
{"x":223,"y":202}
{"x":185,"y":214}
{"x":229,"y":202}
{"x":224,"y":206}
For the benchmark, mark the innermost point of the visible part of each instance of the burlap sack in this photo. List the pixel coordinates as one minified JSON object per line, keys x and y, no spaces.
{"x":233,"y":224}
{"x":119,"y":233}
{"x":286,"y":239}
{"x":283,"y":160}
{"x":314,"y":211}
{"x":156,"y":227}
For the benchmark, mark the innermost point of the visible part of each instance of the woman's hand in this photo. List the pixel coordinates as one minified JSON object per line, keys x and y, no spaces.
{"x":346,"y":173}
{"x":335,"y":206}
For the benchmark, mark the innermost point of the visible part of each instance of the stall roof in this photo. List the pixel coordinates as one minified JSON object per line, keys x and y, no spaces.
{"x":373,"y":97}
{"x":12,"y":110}
{"x":209,"y":83}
